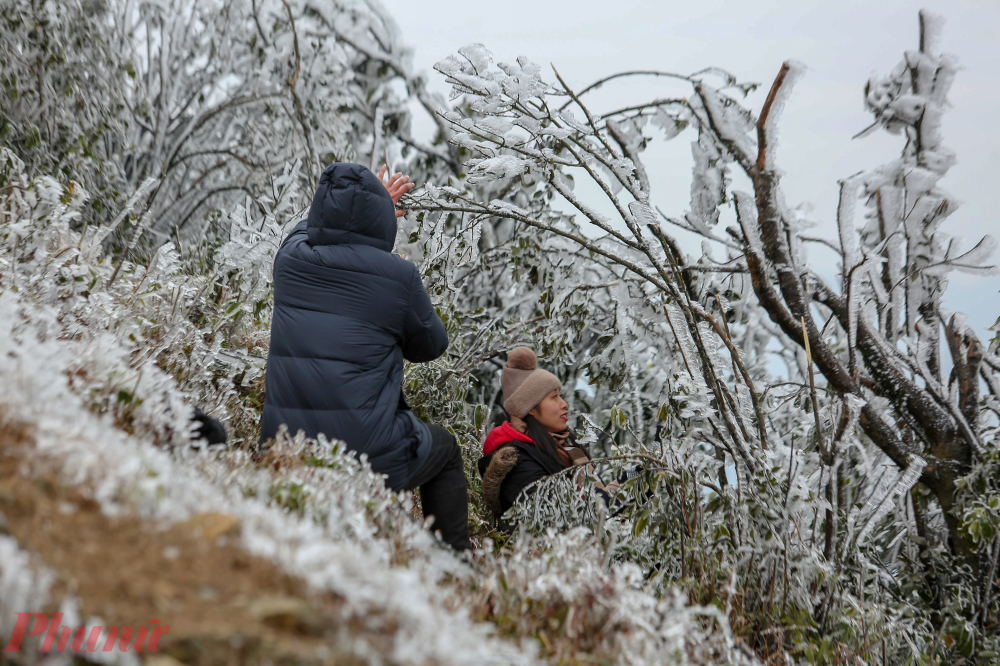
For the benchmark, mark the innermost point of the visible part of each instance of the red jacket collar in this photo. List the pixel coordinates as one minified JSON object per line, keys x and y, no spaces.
{"x":501,"y":435}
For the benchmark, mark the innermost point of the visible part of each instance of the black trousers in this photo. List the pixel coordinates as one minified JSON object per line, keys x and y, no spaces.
{"x":444,"y":492}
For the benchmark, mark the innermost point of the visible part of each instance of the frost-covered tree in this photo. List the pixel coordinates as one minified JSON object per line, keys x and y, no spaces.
{"x":866,"y":477}
{"x":208,"y":100}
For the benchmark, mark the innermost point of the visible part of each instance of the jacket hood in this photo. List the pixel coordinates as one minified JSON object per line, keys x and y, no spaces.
{"x":501,"y":435}
{"x":351,"y":206}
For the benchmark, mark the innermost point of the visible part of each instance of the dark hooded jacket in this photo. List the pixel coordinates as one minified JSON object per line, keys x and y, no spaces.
{"x":511,"y":462}
{"x":346,"y":314}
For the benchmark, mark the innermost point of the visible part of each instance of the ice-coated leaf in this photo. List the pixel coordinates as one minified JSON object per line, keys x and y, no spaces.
{"x":502,"y":166}
{"x":708,"y":185}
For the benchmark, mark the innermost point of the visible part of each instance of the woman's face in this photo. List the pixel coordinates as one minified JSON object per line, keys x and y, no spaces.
{"x":551,"y":412}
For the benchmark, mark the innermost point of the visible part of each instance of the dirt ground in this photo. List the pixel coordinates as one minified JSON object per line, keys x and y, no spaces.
{"x":222,"y":605}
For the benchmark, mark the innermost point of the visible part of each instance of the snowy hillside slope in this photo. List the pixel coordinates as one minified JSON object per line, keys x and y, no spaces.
{"x":339,"y":552}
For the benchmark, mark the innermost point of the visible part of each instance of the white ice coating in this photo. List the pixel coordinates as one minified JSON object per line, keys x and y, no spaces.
{"x":708,"y":185}
{"x":731,"y":120}
{"x":472,"y":240}
{"x":751,"y":231}
{"x":504,"y":207}
{"x":745,"y":411}
{"x":377,"y":156}
{"x":642,"y":213}
{"x":712,"y":345}
{"x":568,"y":117}
{"x":854,"y":405}
{"x":907,"y":205}
{"x":342,"y":556}
{"x":845,"y":220}
{"x":795,"y":71}
{"x":621,"y":322}
{"x":685,"y":342}
{"x":565,"y":187}
{"x":501,"y":166}
{"x":100,"y":234}
{"x":855,"y":280}
{"x":892,"y":486}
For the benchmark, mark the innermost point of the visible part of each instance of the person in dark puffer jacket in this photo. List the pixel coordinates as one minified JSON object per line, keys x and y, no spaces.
{"x":536,"y":442}
{"x":347,"y":313}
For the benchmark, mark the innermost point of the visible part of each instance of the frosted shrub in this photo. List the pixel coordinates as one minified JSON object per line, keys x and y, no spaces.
{"x":565,"y":589}
{"x":141,"y":320}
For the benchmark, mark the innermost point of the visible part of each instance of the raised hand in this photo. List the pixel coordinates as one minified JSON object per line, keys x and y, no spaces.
{"x":397,"y":186}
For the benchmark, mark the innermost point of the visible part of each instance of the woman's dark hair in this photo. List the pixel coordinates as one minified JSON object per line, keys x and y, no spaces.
{"x":547,"y":443}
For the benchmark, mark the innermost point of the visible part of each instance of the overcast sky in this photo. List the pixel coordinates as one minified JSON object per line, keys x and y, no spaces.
{"x":841,"y":44}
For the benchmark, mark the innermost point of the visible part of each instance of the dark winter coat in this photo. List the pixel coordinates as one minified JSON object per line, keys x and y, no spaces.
{"x":511,"y":462}
{"x":346,"y":314}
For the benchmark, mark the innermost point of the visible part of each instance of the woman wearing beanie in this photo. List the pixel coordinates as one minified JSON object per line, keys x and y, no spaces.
{"x":536,"y":442}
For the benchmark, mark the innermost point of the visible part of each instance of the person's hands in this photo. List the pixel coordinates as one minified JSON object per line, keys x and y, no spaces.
{"x":397,"y":186}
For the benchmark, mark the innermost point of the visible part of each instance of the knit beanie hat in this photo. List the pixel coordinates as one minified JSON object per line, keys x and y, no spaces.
{"x":524,"y":384}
